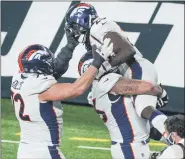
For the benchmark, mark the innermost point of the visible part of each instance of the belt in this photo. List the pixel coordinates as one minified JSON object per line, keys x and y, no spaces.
{"x":144,"y":142}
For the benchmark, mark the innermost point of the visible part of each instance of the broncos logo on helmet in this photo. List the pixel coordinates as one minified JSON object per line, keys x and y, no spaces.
{"x":36,"y":59}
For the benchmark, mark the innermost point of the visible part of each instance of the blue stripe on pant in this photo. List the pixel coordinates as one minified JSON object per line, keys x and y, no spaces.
{"x":120,"y":114}
{"x":54,"y":152}
{"x":127,"y":151}
{"x":49,"y":116}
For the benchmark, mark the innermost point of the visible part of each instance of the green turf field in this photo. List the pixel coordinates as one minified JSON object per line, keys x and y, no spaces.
{"x":79,"y":123}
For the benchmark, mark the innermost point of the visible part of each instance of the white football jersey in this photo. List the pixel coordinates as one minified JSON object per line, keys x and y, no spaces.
{"x":101,"y":27}
{"x":118,"y":112}
{"x":40,"y":122}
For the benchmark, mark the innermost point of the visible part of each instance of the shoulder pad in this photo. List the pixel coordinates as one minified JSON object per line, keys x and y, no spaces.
{"x":36,"y":84}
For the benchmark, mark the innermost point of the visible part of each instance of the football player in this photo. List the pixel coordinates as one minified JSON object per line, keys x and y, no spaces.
{"x":90,"y":29}
{"x":110,"y":96}
{"x":33,"y":90}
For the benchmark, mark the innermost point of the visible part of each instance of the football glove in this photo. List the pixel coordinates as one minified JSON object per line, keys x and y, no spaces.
{"x":162,"y":100}
{"x":103,"y":53}
{"x":72,"y":41}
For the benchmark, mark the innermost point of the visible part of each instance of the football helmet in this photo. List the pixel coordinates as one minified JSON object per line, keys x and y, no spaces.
{"x":84,"y":63}
{"x":79,"y":19}
{"x":36,"y":59}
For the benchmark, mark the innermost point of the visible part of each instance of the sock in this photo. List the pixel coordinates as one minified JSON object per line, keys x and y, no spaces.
{"x":157,"y":119}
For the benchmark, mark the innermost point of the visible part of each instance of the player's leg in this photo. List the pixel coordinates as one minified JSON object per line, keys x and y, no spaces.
{"x":130,"y":151}
{"x":145,"y":108}
{"x":116,"y":151}
{"x":23,"y":151}
{"x":140,"y":150}
{"x":120,"y":151}
{"x":32,"y":151}
{"x":39,"y":151}
{"x":146,"y":104}
{"x":55,"y":152}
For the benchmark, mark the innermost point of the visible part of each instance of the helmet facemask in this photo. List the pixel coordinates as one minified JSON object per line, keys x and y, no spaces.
{"x":79,"y":19}
{"x":80,"y":33}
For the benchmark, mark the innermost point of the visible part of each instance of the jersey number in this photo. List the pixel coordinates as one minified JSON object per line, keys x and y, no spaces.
{"x":16,"y":98}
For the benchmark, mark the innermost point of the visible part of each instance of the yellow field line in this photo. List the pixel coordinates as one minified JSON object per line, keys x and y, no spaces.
{"x":107,"y":140}
{"x":156,"y":144}
{"x":89,"y":139}
{"x":18,"y":134}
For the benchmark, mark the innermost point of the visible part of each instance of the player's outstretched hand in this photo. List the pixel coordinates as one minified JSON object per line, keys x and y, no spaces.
{"x":72,"y":41}
{"x":103,"y":53}
{"x":163,"y":99}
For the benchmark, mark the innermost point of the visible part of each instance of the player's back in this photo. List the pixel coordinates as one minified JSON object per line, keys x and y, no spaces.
{"x":118,"y":112}
{"x":39,"y":121}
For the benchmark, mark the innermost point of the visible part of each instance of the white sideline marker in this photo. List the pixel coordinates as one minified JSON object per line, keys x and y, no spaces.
{"x":94,"y":148}
{"x":83,"y":147}
{"x":99,"y":148}
{"x":10,"y":141}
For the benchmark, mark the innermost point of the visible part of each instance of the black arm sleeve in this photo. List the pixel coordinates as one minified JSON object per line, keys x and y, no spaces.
{"x":61,"y":62}
{"x":155,"y":134}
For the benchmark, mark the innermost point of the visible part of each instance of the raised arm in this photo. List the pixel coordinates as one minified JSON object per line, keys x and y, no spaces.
{"x":62,"y":91}
{"x":61,"y":62}
{"x":67,"y":90}
{"x":126,"y":86}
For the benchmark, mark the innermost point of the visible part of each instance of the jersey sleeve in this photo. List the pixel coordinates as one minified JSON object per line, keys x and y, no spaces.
{"x":107,"y":82}
{"x":61,"y":62}
{"x":38,"y":84}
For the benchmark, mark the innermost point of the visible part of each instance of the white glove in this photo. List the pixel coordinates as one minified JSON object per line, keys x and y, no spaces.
{"x":103,"y":53}
{"x":89,"y":98}
{"x":106,"y":50}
